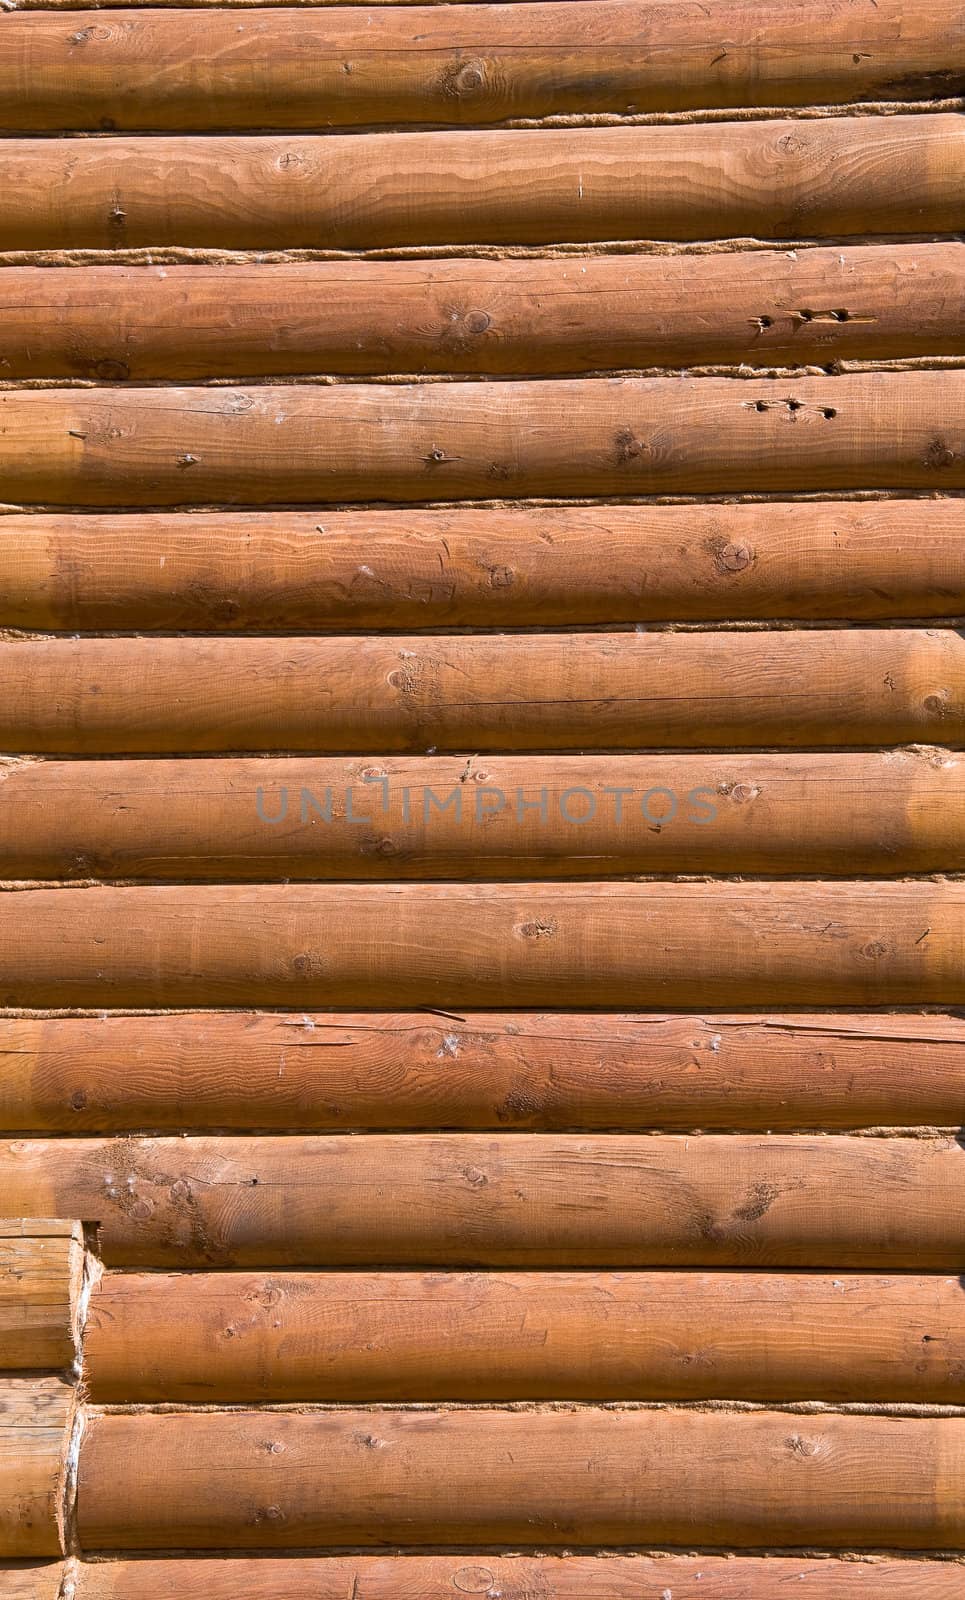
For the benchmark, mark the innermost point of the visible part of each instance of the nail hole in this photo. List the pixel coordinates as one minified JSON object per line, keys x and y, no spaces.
{"x":829,"y":412}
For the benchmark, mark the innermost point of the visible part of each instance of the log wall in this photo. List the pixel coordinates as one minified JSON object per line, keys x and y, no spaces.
{"x":482,"y":693}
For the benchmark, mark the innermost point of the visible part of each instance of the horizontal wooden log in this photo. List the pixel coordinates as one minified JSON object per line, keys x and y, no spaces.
{"x":31,"y":1580}
{"x":209,"y":1338}
{"x":457,"y":441}
{"x":517,"y":944}
{"x":514,"y":817}
{"x":562,"y":315}
{"x":499,"y":945}
{"x":570,"y":1577}
{"x":781,"y":179}
{"x":484,"y":693}
{"x":333,"y":1071}
{"x":365,"y":65}
{"x":514,"y":566}
{"x":477,"y":1200}
{"x":41,"y":1264}
{"x":232,"y":1480}
{"x":35,"y":1418}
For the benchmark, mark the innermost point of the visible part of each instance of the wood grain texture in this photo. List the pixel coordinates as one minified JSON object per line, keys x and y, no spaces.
{"x":35,"y":1415}
{"x":565,"y":315}
{"x":572,"y":1577}
{"x":483,"y":693}
{"x":288,"y":445}
{"x":209,"y":1338}
{"x":781,"y":179}
{"x":31,"y":1580}
{"x":469,"y":64}
{"x":489,"y":1200}
{"x":453,"y":817}
{"x":41,"y":1263}
{"x":579,"y":1477}
{"x":331,"y":1071}
{"x":502,"y":567}
{"x":589,"y":945}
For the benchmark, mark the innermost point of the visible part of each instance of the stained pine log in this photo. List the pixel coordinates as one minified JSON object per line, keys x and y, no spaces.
{"x":207,"y":1338}
{"x":478,"y":1200}
{"x":483,"y":693}
{"x":330,"y":1071}
{"x":35,"y":1417}
{"x":571,"y":1577}
{"x":452,"y":817}
{"x":510,"y":566}
{"x":563,"y":315}
{"x":31,"y":1580}
{"x":465,"y":64}
{"x":781,"y":179}
{"x":41,"y":1264}
{"x":499,"y":945}
{"x":583,"y":1476}
{"x":455,"y":441}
